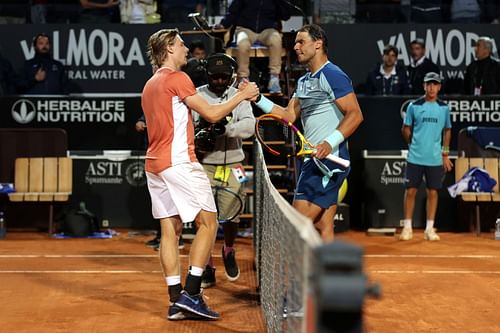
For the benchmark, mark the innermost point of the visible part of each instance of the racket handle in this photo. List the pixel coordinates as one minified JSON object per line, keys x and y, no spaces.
{"x":339,"y":160}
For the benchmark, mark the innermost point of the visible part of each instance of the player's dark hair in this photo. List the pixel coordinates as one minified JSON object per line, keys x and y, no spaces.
{"x":316,"y":33}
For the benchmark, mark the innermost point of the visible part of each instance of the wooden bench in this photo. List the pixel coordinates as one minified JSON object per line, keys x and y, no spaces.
{"x":492,"y":166}
{"x":43,"y":179}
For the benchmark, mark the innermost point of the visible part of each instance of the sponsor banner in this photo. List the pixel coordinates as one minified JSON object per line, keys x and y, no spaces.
{"x":112,"y":58}
{"x":109,"y":122}
{"x":114,"y":189}
{"x":111,"y":172}
{"x":392,"y":173}
{"x":383,"y":118}
{"x":97,"y":58}
{"x":383,"y":192}
{"x":90,"y":122}
{"x":357,"y":48}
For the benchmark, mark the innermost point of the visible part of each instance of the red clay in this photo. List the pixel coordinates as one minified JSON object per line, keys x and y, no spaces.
{"x":447,"y":286}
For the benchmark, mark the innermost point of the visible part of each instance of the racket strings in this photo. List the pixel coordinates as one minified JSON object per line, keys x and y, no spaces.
{"x":229,"y":204}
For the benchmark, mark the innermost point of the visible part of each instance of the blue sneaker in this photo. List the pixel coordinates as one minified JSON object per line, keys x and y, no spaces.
{"x":196,"y":305}
{"x":274,"y":85}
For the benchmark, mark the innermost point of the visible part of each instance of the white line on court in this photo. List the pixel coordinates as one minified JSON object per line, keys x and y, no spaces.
{"x":446,"y":256}
{"x":432,"y":272}
{"x":77,"y":272}
{"x":158,"y":271}
{"x":29,"y":256}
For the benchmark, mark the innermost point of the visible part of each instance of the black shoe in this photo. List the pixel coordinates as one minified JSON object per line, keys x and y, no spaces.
{"x":153,"y":242}
{"x":208,"y":277}
{"x":232,"y":269}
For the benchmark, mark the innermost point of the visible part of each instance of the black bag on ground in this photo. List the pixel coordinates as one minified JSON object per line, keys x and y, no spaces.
{"x":79,"y":222}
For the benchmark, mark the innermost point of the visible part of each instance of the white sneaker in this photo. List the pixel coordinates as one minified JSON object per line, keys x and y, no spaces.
{"x":406,"y":234}
{"x":431,"y":235}
{"x":274,"y":85}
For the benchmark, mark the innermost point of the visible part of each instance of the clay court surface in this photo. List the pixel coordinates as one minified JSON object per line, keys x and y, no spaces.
{"x":115,"y":285}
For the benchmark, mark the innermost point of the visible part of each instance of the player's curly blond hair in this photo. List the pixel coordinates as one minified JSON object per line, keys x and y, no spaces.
{"x":157,"y":45}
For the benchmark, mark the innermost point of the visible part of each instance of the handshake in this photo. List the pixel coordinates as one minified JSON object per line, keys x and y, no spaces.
{"x":250,"y":90}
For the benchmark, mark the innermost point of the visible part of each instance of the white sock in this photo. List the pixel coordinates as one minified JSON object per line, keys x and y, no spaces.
{"x":429,"y":225}
{"x":407,"y":223}
{"x":195,"y":271}
{"x":173,"y":280}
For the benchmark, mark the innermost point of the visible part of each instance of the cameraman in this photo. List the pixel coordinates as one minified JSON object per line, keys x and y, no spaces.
{"x":219,"y":147}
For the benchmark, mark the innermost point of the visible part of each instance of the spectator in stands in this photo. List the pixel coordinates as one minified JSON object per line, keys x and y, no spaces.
{"x":258,"y":22}
{"x":419,"y":66}
{"x":465,"y":11}
{"x":427,"y":131}
{"x":388,"y":78}
{"x":43,"y":75}
{"x":38,"y":11}
{"x":99,"y":11}
{"x":197,"y":49}
{"x":139,"y":12}
{"x":195,"y":67}
{"x":426,"y":11}
{"x":334,"y":11}
{"x":8,"y":79}
{"x":482,"y":76}
{"x":177,"y":11}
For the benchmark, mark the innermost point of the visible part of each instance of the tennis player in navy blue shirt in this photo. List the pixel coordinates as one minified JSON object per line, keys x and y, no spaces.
{"x":427,"y":130}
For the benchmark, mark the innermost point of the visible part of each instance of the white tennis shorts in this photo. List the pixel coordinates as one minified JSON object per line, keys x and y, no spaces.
{"x":183,"y":190}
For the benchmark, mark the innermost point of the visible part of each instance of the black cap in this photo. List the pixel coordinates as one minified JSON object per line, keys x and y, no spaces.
{"x":220,"y":63}
{"x":431,"y":76}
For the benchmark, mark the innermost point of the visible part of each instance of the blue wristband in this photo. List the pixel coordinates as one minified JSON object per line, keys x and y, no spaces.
{"x":335,"y":139}
{"x":265,"y":104}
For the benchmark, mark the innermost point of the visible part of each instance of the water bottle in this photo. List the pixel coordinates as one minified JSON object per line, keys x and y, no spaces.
{"x":2,"y":225}
{"x":497,"y":229}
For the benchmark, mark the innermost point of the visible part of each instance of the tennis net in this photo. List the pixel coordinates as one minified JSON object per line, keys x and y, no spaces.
{"x":284,"y":244}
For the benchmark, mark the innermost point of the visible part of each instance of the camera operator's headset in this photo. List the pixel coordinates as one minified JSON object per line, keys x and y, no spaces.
{"x":224,"y":57}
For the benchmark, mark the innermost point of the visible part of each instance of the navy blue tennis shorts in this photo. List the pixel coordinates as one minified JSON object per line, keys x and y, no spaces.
{"x":310,"y":184}
{"x":433,"y":176}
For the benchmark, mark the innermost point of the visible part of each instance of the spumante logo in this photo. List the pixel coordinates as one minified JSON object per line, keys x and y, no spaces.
{"x":23,"y":111}
{"x":393,"y":173}
{"x":135,"y":174}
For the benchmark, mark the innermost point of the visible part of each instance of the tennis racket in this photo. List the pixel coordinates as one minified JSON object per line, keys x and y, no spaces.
{"x":229,"y":204}
{"x":303,"y":147}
